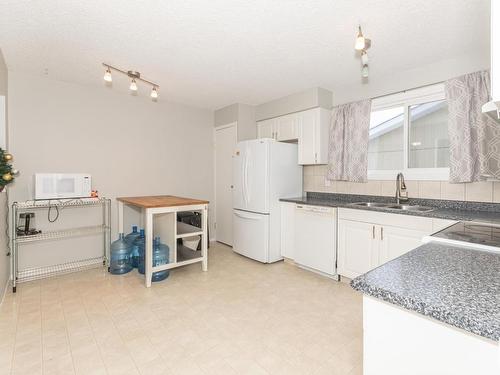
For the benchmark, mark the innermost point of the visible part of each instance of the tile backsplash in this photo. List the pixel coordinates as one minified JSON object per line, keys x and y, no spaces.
{"x":484,"y":191}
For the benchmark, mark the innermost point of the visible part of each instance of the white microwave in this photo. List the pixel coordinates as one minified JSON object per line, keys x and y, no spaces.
{"x":62,"y":185}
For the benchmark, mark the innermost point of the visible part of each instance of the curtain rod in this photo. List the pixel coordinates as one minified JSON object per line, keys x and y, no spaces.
{"x":403,"y":91}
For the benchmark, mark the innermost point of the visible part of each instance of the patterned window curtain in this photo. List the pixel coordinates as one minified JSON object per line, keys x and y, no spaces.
{"x":474,"y":137}
{"x":348,"y":142}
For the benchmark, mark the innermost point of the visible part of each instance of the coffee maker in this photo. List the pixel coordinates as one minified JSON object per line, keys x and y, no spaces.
{"x":26,"y":224}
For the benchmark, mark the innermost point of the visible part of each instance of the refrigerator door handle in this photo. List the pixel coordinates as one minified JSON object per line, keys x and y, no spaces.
{"x":245,"y":180}
{"x":243,"y":216}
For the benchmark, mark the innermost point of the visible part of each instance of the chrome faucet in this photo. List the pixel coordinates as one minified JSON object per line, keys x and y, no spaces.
{"x":401,"y":193}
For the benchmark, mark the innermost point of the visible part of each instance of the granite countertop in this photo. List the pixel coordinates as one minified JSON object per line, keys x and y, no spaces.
{"x":454,"y":285}
{"x":443,"y":209}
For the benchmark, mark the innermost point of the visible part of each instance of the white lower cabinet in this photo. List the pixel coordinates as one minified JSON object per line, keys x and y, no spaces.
{"x":395,"y":242}
{"x":357,"y":240}
{"x":357,"y":248}
{"x":368,"y":239}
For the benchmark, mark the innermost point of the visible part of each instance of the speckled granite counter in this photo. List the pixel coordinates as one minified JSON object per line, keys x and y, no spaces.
{"x":443,"y":209}
{"x":457,"y":286}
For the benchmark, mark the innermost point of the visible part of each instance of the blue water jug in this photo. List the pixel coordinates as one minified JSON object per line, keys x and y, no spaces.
{"x":120,"y":256}
{"x":160,"y":257}
{"x":130,"y":239}
{"x":138,"y":248}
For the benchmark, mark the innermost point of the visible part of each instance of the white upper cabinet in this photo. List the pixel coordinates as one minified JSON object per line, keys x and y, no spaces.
{"x":284,"y":128}
{"x":266,"y":128}
{"x":287,"y":127}
{"x":313,"y":136}
{"x":310,"y":129}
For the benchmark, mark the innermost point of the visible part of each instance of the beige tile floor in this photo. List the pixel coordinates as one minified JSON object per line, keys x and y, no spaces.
{"x":240,"y":317}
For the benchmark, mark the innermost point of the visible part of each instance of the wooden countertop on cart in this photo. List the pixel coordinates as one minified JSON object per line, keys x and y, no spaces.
{"x":154,"y":201}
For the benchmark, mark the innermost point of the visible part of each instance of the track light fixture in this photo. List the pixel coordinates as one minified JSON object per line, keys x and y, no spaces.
{"x":134,"y":76}
{"x":362,"y":44}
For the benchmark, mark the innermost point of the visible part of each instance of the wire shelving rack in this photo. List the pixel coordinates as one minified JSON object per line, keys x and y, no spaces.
{"x":35,"y":273}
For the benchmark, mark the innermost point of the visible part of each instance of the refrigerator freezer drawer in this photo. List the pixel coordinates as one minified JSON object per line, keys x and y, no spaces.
{"x":251,"y":235}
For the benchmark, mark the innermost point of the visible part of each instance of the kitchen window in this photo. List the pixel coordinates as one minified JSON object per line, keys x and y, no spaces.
{"x":409,"y":134}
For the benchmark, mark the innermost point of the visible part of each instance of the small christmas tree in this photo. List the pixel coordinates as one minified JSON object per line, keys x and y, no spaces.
{"x":7,"y":173}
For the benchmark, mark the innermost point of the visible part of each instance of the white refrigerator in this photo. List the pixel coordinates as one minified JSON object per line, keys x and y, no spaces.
{"x":264,"y":171}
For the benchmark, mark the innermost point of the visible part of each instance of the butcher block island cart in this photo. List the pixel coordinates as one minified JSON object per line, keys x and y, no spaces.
{"x":165,"y":209}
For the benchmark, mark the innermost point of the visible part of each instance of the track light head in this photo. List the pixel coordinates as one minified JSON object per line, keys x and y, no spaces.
{"x":133,"y":85}
{"x":154,"y":93}
{"x":365,"y":71}
{"x":107,"y":75}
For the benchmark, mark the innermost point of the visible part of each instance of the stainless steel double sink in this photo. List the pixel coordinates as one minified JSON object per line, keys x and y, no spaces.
{"x":392,"y":206}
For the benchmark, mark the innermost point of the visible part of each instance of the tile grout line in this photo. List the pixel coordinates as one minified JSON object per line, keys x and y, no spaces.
{"x":119,"y":334}
{"x":69,"y":342}
{"x":65,"y":325}
{"x":15,"y":337}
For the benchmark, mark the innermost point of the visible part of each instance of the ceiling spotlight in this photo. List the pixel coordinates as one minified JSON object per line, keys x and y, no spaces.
{"x":362,"y":43}
{"x":133,"y":85}
{"x":154,"y":93}
{"x":364,"y":58}
{"x":365,"y":71}
{"x":107,"y":75}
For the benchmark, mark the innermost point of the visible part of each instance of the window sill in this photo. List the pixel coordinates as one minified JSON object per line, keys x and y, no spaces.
{"x":413,"y":174}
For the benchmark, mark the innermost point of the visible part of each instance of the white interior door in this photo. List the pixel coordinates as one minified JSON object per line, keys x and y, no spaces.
{"x":225,"y":144}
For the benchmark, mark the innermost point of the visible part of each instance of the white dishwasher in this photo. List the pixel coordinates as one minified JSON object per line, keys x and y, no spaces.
{"x":316,"y":238}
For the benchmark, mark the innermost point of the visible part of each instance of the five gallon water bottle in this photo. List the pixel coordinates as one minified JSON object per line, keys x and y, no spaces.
{"x":120,"y":256}
{"x":134,"y":250}
{"x":138,"y":248}
{"x":160,"y":256}
{"x":140,"y":243}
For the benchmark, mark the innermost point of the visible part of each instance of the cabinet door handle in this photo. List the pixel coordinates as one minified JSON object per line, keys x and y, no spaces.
{"x":382,"y":233}
{"x":373,"y":231}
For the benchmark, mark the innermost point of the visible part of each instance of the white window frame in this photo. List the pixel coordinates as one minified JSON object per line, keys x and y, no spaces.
{"x":406,"y":99}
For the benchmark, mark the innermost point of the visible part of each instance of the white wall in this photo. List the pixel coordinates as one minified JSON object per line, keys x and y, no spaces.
{"x":242,"y":114}
{"x":421,"y":76}
{"x":4,"y":259}
{"x":130,"y":145}
{"x":300,"y":101}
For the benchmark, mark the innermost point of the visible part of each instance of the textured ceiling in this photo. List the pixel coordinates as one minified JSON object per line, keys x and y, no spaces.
{"x":214,"y":53}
